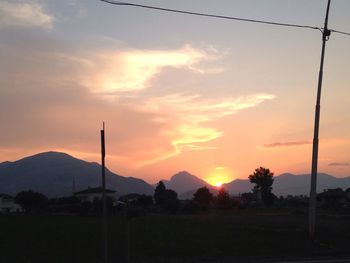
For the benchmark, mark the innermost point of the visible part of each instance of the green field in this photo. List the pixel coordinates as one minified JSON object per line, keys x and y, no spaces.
{"x":216,"y":236}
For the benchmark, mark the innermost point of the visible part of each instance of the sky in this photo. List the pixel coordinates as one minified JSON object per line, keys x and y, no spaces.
{"x":217,"y":98}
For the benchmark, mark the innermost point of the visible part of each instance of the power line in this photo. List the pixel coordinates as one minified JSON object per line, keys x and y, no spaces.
{"x":339,"y":32}
{"x":221,"y":16}
{"x":211,"y":15}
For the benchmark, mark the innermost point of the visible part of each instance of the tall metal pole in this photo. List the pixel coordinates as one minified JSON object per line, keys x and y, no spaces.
{"x":312,"y":204}
{"x":105,"y":233}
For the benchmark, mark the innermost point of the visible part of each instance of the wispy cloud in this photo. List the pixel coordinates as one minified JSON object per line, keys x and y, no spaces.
{"x":286,"y":144}
{"x":132,"y":70}
{"x":339,"y":164}
{"x":24,"y":15}
{"x":147,"y":127}
{"x":198,"y":109}
{"x":191,"y":115}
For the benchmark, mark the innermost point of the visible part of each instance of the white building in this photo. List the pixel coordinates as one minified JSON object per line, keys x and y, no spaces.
{"x":90,"y":194}
{"x":8,"y":205}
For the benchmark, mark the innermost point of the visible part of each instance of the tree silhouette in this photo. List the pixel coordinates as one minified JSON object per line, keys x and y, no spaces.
{"x":166,"y":199}
{"x":31,"y":201}
{"x":203,"y":197}
{"x":145,"y":200}
{"x":263,"y":180}
{"x":159,"y":193}
{"x":171,"y":202}
{"x":223,"y":199}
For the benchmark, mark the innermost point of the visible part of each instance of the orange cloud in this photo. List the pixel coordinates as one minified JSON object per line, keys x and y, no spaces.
{"x":132,"y":70}
{"x":190,"y":115}
{"x":142,"y":128}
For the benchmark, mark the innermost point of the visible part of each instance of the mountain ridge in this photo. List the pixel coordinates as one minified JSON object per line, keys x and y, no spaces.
{"x":291,"y":184}
{"x":53,"y":173}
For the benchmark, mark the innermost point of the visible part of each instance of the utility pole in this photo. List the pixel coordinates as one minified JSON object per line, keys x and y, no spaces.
{"x":312,"y":204}
{"x":105,"y":233}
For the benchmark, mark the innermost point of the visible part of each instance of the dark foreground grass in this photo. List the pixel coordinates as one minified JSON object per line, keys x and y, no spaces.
{"x":239,"y":236}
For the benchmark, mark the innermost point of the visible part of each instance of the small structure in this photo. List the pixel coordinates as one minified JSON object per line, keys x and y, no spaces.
{"x":333,"y":197}
{"x":8,"y":205}
{"x":130,"y":198}
{"x":91,"y":194}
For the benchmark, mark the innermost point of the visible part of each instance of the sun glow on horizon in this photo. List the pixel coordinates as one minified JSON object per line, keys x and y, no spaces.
{"x":219,"y":176}
{"x":218,"y":184}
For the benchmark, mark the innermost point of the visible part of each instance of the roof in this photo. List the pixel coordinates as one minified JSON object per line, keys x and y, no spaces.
{"x":6,"y":196}
{"x":95,"y":190}
{"x":338,"y":192}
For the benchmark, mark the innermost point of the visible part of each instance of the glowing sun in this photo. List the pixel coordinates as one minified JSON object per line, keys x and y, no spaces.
{"x":218,"y":184}
{"x":218,"y":177}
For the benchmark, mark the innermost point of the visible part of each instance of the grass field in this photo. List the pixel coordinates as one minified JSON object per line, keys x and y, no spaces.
{"x":217,"y":236}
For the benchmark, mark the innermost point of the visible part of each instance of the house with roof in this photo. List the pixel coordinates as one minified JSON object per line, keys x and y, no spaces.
{"x":8,"y":205}
{"x":333,"y":197}
{"x":91,"y":194}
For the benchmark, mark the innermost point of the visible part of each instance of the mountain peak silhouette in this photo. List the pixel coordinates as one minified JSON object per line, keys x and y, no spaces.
{"x":52,"y":174}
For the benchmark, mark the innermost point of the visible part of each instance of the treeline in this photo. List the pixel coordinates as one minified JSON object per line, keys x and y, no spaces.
{"x":163,"y":199}
{"x":166,"y":200}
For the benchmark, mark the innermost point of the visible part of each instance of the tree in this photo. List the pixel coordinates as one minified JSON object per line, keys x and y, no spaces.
{"x":69,"y":204}
{"x":145,"y":200}
{"x":263,"y":180}
{"x":171,"y":202}
{"x":97,"y":206}
{"x":166,"y":199}
{"x":223,"y":199}
{"x":31,"y":201}
{"x":159,"y":193}
{"x":248,"y":198}
{"x":203,"y":197}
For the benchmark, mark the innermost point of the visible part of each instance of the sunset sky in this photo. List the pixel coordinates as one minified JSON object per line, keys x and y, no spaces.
{"x":217,"y":98}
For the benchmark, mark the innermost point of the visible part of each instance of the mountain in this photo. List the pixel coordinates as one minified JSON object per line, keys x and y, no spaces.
{"x":290,"y":184}
{"x":55,"y":173}
{"x":186,"y":184}
{"x":183,"y":182}
{"x":287,"y":183}
{"x":238,"y":186}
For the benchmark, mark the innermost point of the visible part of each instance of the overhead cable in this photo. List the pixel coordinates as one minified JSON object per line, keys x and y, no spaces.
{"x":210,"y":15}
{"x":340,"y":32}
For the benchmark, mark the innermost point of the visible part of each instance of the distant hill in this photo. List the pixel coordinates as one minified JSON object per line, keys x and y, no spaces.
{"x":238,"y":186}
{"x":290,"y":184}
{"x":183,"y":182}
{"x":186,"y":184}
{"x":53,"y":173}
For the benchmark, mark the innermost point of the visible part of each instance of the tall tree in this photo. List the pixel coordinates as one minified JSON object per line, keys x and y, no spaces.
{"x":263,"y":180}
{"x":223,"y":198}
{"x":159,"y":193}
{"x":203,"y":197}
{"x":171,"y":202}
{"x":166,"y":199}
